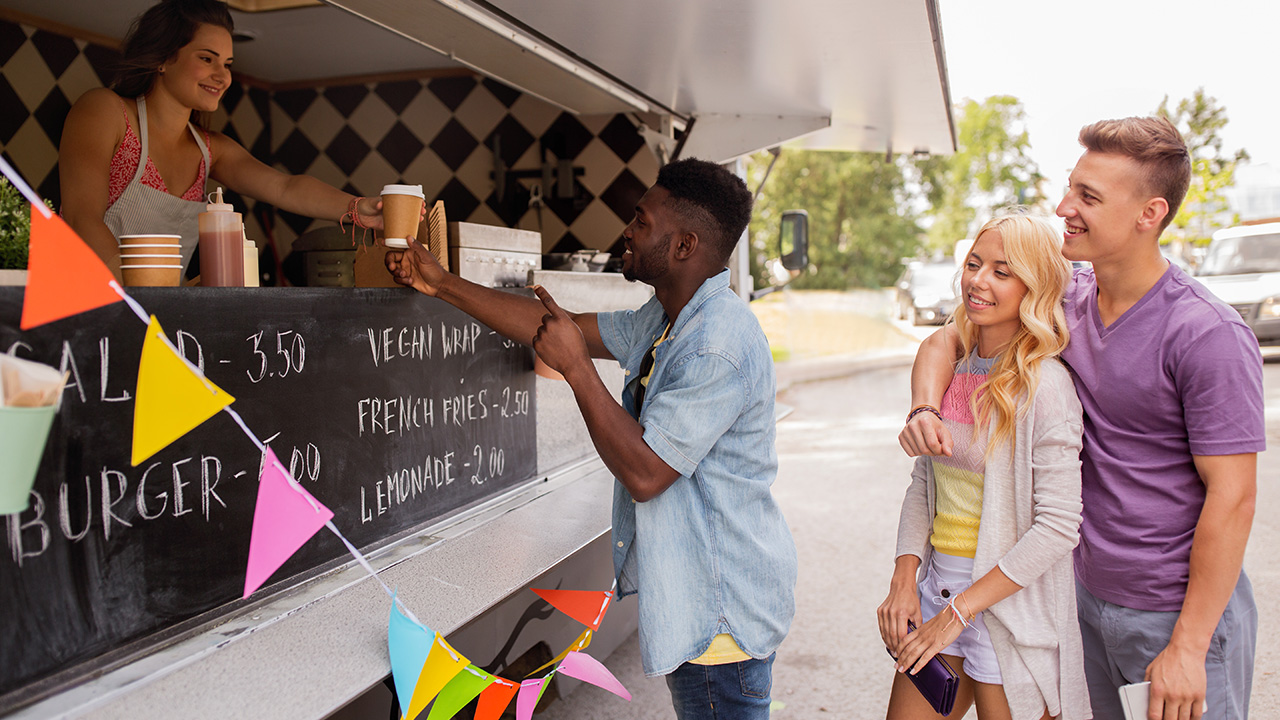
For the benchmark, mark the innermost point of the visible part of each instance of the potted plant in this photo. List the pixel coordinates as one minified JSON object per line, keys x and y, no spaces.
{"x":15,"y":234}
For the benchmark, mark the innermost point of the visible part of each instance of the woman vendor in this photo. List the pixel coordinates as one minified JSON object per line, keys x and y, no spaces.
{"x":133,"y":161}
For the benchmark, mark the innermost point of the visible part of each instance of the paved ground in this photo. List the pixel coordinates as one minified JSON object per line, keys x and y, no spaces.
{"x":841,"y":479}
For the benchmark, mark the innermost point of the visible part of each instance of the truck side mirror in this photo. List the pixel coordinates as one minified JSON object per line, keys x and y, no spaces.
{"x":793,"y":239}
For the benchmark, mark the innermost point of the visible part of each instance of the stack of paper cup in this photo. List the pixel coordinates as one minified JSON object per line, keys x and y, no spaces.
{"x":151,"y":260}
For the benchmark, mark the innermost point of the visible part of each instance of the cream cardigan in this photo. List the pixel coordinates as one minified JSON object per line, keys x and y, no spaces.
{"x":1030,"y":524}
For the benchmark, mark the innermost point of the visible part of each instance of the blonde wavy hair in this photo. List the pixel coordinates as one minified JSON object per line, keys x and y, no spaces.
{"x":1033,"y":251}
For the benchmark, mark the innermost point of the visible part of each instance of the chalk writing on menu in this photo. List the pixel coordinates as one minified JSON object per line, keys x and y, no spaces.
{"x":390,"y":425}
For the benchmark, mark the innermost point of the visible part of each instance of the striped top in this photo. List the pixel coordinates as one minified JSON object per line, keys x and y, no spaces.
{"x":959,"y":477}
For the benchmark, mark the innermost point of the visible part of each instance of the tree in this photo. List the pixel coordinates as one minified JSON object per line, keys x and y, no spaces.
{"x":860,"y":222}
{"x":991,"y":169}
{"x":1200,"y":119}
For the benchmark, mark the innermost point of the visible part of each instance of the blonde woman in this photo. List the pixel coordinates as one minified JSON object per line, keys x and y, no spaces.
{"x":983,"y":562}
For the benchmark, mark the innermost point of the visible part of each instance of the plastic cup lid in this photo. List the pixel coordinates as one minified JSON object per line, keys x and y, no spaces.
{"x":415,"y":190}
{"x":397,"y":242}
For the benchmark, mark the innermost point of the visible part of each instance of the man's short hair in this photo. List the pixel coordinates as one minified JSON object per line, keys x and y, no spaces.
{"x":1156,"y":145}
{"x":710,"y":200}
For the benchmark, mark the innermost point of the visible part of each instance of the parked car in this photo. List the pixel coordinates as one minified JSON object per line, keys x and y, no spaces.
{"x":926,"y":292}
{"x":1242,"y":267}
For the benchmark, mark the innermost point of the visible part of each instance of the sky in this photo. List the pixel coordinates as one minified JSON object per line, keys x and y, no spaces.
{"x":1071,"y":63}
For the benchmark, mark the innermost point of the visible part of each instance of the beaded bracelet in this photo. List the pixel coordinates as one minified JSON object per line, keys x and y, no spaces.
{"x":923,"y":408}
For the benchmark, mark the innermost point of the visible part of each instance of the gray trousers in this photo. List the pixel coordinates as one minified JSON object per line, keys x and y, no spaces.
{"x":1120,"y":642}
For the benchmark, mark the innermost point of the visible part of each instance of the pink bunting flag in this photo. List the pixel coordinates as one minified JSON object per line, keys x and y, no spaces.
{"x":285,"y":517}
{"x":527,"y":700}
{"x":589,"y":670}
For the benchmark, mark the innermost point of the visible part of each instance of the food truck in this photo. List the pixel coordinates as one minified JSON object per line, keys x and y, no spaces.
{"x":461,"y":476}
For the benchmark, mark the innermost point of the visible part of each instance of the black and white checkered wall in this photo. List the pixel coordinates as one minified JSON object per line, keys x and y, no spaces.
{"x":439,"y":133}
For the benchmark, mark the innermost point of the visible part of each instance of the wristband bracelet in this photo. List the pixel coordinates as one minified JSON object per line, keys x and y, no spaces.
{"x":923,"y":408}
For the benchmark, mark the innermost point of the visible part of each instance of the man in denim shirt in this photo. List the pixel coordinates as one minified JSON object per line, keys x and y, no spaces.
{"x":696,"y":530}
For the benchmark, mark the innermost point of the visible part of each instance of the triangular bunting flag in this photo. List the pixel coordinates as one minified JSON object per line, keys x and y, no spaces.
{"x":409,"y":645}
{"x":580,"y":643}
{"x":585,"y":606}
{"x":64,"y":276}
{"x":461,"y":690}
{"x":495,"y":699}
{"x":171,"y":399}
{"x":442,"y":665}
{"x":284,"y":519}
{"x":527,"y":700}
{"x":589,"y":670}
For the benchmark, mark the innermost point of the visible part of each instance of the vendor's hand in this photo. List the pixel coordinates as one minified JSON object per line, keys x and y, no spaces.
{"x":1177,"y":684}
{"x":417,"y":268}
{"x":925,"y":435}
{"x":370,"y":211}
{"x":902,"y":604}
{"x":559,"y":341}
{"x":929,"y":640}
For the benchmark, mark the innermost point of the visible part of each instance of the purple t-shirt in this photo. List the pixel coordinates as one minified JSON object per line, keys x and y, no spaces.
{"x":1178,"y":374}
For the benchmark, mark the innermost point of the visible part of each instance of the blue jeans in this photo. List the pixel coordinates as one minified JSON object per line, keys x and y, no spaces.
{"x":1120,"y":642}
{"x":735,"y":691}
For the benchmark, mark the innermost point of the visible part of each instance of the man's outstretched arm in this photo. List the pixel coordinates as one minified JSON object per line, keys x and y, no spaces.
{"x":930,"y":375}
{"x":513,"y":316}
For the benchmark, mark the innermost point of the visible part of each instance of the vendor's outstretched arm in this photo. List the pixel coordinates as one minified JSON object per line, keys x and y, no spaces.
{"x":930,"y":376}
{"x":513,"y":316}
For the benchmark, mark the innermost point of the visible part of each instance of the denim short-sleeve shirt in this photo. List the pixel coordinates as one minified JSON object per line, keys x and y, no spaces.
{"x":712,"y":554}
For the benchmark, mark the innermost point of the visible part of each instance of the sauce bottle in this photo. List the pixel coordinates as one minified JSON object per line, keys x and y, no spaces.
{"x":221,"y":244}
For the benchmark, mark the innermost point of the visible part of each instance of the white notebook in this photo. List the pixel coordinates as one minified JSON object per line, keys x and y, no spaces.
{"x":1134,"y":699}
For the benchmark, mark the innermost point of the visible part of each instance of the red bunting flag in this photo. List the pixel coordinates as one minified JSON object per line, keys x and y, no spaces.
{"x":64,"y":276}
{"x":585,"y":606}
{"x":495,"y":699}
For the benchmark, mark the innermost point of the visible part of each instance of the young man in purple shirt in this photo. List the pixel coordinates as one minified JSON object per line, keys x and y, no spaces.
{"x":1170,"y":380}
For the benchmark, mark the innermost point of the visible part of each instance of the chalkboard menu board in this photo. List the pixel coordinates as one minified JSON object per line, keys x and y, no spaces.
{"x":391,"y":408}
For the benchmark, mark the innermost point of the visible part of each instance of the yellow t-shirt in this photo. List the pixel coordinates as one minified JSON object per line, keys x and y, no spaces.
{"x":723,"y":650}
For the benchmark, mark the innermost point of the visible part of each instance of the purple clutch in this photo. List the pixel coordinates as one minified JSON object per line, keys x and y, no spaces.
{"x":936,"y":681}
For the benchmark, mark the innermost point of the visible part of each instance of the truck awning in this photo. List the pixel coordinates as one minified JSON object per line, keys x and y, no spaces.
{"x":867,"y":75}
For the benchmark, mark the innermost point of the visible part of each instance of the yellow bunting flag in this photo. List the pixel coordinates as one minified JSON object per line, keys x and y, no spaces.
{"x":580,"y":643}
{"x":442,"y":665}
{"x":171,"y":399}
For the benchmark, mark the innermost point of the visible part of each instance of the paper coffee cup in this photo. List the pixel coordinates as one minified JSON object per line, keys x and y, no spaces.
{"x":151,"y":275}
{"x":401,"y":213}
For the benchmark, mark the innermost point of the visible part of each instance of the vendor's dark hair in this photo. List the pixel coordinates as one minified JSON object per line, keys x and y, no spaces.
{"x":157,"y":34}
{"x":714,"y":202}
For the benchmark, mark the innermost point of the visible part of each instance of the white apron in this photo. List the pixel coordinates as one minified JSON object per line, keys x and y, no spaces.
{"x":142,"y":209}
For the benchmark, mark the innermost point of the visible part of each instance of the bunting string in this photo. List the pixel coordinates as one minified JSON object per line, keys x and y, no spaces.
{"x":293,"y":515}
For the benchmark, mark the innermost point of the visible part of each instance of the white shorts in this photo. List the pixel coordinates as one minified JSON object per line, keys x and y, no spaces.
{"x":947,"y":577}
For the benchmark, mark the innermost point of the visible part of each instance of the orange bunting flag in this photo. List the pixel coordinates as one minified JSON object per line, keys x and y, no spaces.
{"x":64,"y":276}
{"x":171,"y":399}
{"x":585,"y":606}
{"x":495,"y":699}
{"x":442,"y":665}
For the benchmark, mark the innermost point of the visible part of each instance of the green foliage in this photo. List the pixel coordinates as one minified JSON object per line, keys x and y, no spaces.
{"x":1200,"y":119}
{"x":860,"y":222}
{"x":15,"y":227}
{"x":991,"y":169}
